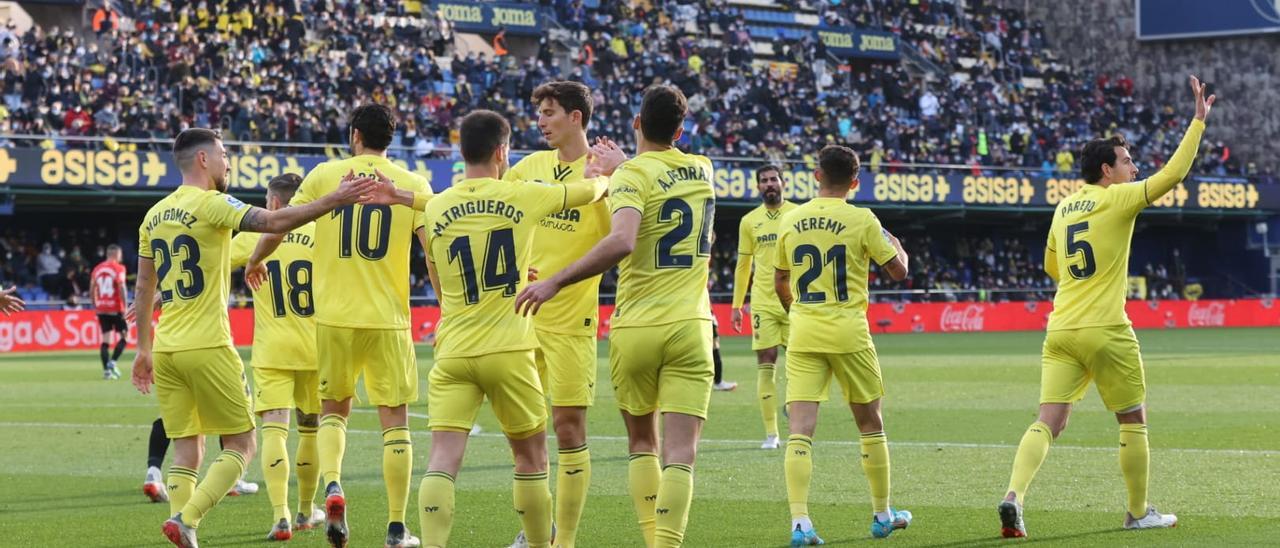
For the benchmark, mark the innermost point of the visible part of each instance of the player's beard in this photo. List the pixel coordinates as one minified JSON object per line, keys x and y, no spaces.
{"x":220,"y":182}
{"x":772,"y":198}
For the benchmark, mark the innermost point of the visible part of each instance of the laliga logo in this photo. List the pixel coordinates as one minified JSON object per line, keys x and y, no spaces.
{"x":1267,"y":10}
{"x":1206,"y":316}
{"x":968,"y":318}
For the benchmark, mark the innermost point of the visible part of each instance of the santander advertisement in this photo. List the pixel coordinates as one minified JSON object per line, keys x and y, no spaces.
{"x":43,"y":330}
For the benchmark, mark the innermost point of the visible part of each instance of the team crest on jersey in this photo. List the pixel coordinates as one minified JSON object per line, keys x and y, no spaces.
{"x":235,"y":202}
{"x":561,"y":172}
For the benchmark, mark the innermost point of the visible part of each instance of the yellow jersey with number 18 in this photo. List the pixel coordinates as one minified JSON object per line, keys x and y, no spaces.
{"x":828,"y":244}
{"x":361,"y":255}
{"x":757,"y":242}
{"x":664,"y":280}
{"x":187,"y":235}
{"x":560,"y":239}
{"x":284,"y":324}
{"x":479,"y":241}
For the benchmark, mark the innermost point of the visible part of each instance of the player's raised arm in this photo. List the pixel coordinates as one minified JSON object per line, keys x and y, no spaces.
{"x":352,"y":189}
{"x":606,"y":253}
{"x":1176,"y":169}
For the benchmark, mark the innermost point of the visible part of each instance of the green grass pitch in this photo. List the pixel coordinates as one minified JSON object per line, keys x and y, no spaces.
{"x":74,"y":452}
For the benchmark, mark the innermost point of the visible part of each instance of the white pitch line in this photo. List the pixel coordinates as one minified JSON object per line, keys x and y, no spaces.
{"x":925,"y":444}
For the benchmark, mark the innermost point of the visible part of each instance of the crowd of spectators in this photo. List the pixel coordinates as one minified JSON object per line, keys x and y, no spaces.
{"x":52,"y":263}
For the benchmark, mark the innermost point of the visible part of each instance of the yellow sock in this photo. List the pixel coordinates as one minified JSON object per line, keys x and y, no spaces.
{"x":308,"y":469}
{"x":798,"y":466}
{"x":397,"y":467}
{"x":532,"y":496}
{"x":674,"y":497}
{"x":219,"y":479}
{"x":181,"y":484}
{"x":435,"y":509}
{"x":275,"y":468}
{"x":767,"y":391}
{"x":1031,"y":452}
{"x":573,"y":477}
{"x":1135,"y":464}
{"x":331,"y":441}
{"x":875,"y":464}
{"x":643,"y":477}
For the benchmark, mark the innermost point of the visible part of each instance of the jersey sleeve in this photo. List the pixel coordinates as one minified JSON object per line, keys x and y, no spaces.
{"x":877,"y":243}
{"x":627,"y":188}
{"x":779,"y":257}
{"x":242,"y":246}
{"x":543,"y":199}
{"x":144,"y":240}
{"x":423,"y":193}
{"x":585,"y":192}
{"x":224,"y":210}
{"x":742,"y":270}
{"x":517,"y":172}
{"x":307,"y":191}
{"x":1131,"y":197}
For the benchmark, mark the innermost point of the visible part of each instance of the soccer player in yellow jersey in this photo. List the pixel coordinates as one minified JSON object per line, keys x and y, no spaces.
{"x":1089,"y":335}
{"x":660,"y":344}
{"x":830,"y":243}
{"x":184,"y":247}
{"x":479,"y":244}
{"x":567,"y":325}
{"x":361,"y":265}
{"x":284,"y":363}
{"x":757,"y":236}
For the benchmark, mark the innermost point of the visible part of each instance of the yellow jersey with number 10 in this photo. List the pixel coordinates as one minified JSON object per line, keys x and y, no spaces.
{"x":560,"y":239}
{"x":187,"y":235}
{"x":664,"y":280}
{"x":828,"y":244}
{"x":361,"y":255}
{"x":284,"y":324}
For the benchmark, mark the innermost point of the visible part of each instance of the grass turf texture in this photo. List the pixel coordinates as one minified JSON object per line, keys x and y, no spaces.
{"x":74,"y":454}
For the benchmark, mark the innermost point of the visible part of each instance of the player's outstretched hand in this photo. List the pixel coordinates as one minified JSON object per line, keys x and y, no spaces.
{"x":383,"y":191}
{"x":736,"y":319}
{"x":606,"y":156}
{"x":10,"y":303}
{"x":254,"y":275}
{"x":1203,"y":105}
{"x":141,"y":375}
{"x":530,"y":300}
{"x":354,"y":188}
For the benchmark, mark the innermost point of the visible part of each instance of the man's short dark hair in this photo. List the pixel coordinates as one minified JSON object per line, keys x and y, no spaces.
{"x":481,"y":133}
{"x":114,"y":248}
{"x":1098,"y":152}
{"x":765,"y":169}
{"x":284,"y":186}
{"x":839,"y":164}
{"x":186,"y":143}
{"x":662,"y":113}
{"x":376,"y":124}
{"x":570,"y":96}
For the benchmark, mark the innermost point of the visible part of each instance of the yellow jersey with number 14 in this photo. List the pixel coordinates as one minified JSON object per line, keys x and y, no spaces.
{"x":284,"y":324}
{"x":560,"y":239}
{"x":187,"y":235}
{"x":664,"y":280}
{"x":479,"y":241}
{"x":361,"y":255}
{"x":828,"y":244}
{"x":757,"y":243}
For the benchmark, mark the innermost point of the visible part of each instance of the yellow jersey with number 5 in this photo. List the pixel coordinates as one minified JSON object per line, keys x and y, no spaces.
{"x":187,"y":235}
{"x":284,"y":324}
{"x":664,"y":280}
{"x":362,"y":251}
{"x":1090,"y":238}
{"x":560,"y":239}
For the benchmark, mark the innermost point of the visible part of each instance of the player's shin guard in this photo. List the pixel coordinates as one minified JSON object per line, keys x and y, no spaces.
{"x":875,"y":464}
{"x":1031,"y":452}
{"x":798,"y":466}
{"x":219,"y":479}
{"x":435,"y":508}
{"x":674,"y":497}
{"x":181,"y":483}
{"x":275,"y":468}
{"x":532,"y":496}
{"x":1135,"y":464}
{"x":308,"y":469}
{"x":573,"y":478}
{"x":643,"y":477}
{"x":331,"y":439}
{"x":767,"y":392}
{"x":397,"y":467}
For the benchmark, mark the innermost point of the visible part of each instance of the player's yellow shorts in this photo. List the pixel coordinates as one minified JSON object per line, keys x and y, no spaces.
{"x":809,"y":376}
{"x":1107,"y":355}
{"x":384,"y":357}
{"x":667,"y":366}
{"x":770,"y":328}
{"x":567,"y":367}
{"x":202,"y":391}
{"x":457,"y":386}
{"x":286,"y":389}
